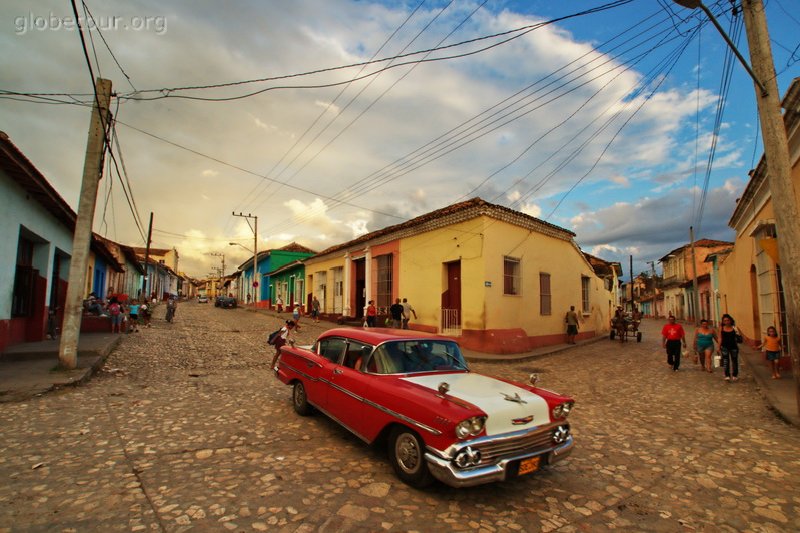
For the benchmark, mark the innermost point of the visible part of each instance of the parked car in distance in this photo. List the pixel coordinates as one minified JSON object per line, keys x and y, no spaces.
{"x":225,"y":302}
{"x":202,"y":299}
{"x":415,"y":393}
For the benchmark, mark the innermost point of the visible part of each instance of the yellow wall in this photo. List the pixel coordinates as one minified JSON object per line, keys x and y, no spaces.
{"x":423,"y":276}
{"x":481,"y":245}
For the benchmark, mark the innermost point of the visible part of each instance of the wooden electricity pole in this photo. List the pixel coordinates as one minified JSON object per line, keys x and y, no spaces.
{"x":82,"y":237}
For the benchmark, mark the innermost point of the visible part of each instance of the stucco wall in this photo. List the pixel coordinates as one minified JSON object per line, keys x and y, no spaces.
{"x":735,"y":294}
{"x":20,"y":210}
{"x":312,"y":270}
{"x":540,"y":253}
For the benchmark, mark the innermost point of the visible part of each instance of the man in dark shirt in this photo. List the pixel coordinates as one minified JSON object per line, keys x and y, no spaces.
{"x":396,"y":312}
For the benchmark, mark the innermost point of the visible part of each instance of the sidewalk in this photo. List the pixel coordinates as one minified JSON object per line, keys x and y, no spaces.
{"x":31,"y":369}
{"x":780,"y":394}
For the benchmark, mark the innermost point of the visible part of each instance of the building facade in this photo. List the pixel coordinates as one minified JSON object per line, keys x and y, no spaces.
{"x":496,"y":278}
{"x":750,"y":284}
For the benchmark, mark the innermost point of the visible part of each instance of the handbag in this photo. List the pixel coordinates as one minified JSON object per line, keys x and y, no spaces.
{"x":717,"y":361}
{"x":739,"y":338}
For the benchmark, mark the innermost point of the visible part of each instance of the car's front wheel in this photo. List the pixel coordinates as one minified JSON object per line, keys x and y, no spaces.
{"x":407,"y":455}
{"x":300,"y":400}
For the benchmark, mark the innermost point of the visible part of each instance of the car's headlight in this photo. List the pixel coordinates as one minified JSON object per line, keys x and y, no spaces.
{"x":562,"y":410}
{"x":470,"y":427}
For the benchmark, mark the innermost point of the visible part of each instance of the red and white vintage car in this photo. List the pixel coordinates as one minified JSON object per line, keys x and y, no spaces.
{"x":439,"y":419}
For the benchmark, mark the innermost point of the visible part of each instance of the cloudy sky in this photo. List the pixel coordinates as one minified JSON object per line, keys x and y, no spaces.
{"x":360,"y":114}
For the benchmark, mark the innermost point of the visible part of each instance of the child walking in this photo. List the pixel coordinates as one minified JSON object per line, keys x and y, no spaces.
{"x":772,"y":348}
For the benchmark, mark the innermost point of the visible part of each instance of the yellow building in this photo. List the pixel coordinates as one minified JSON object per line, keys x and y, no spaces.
{"x":750,"y":287}
{"x":498,"y":279}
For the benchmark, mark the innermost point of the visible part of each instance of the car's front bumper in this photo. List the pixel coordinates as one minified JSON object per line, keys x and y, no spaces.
{"x":445,"y":470}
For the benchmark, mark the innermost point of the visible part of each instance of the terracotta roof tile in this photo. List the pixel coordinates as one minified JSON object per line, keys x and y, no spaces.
{"x":441,"y":213}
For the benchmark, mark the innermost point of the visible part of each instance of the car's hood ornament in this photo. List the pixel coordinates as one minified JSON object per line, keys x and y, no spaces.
{"x":514,"y":398}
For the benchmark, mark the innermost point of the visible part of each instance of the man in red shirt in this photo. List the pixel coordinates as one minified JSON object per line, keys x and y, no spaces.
{"x":673,"y":336}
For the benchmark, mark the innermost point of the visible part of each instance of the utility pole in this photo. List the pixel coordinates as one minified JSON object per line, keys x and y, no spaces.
{"x":256,"y":280}
{"x":695,"y":296}
{"x":219,"y":254}
{"x":82,"y":237}
{"x":145,"y":294}
{"x":655,"y":286}
{"x":779,"y":166}
{"x":633,"y":301}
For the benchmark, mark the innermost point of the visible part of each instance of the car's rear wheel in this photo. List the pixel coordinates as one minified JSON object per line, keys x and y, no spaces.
{"x":300,"y":400}
{"x":407,"y":455}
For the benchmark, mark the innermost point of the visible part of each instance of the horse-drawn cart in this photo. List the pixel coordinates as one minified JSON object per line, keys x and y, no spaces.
{"x":624,"y":326}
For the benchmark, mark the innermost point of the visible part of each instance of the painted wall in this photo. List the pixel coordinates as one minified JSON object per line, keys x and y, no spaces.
{"x":313,"y":268}
{"x":21,"y":211}
{"x":423,"y":276}
{"x":492,"y":320}
{"x":735,"y":286}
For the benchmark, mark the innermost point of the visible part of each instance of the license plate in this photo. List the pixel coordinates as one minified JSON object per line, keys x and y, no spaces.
{"x":526,"y":466}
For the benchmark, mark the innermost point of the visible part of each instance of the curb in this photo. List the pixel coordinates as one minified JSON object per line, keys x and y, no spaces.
{"x":518,"y":358}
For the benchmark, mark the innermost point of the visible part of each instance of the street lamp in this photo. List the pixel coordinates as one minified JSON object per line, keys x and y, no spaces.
{"x":242,"y":245}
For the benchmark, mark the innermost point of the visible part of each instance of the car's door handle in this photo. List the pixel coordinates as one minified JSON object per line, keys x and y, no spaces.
{"x":337,"y":371}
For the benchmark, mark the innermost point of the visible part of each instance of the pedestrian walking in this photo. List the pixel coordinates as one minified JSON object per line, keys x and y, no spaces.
{"x":315,"y":309}
{"x":296,"y":312}
{"x":145,"y":313}
{"x":115,"y":310}
{"x":729,"y":339}
{"x":704,"y":337}
{"x":172,"y":307}
{"x":396,"y":313}
{"x":372,"y":314}
{"x":771,"y":346}
{"x":133,"y":315}
{"x":407,"y":312}
{"x":286,"y":336}
{"x":279,"y":304}
{"x":571,"y":319}
{"x":673,"y":338}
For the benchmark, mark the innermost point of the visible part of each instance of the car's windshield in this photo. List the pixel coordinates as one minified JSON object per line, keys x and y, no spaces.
{"x":418,"y":355}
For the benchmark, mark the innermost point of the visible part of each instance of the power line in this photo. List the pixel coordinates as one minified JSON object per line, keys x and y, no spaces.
{"x":167,"y":92}
{"x":324,"y":111}
{"x":246,"y":171}
{"x":100,"y":33}
{"x":423,"y":155}
{"x":367,"y":108}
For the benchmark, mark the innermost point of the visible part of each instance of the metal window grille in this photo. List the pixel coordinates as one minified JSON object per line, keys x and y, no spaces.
{"x":511,"y":276}
{"x":384,"y":276}
{"x":585,"y":294}
{"x":545,"y":298}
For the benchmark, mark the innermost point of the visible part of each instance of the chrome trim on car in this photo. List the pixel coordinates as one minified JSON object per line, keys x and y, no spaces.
{"x":386,"y":410}
{"x":445,"y":470}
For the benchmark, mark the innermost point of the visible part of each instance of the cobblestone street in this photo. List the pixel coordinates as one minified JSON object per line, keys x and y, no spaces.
{"x":186,"y":429}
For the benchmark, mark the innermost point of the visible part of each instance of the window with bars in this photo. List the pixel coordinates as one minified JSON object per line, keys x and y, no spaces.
{"x":545,"y":298}
{"x":384,"y":277}
{"x":585,"y":294}
{"x":511,"y":276}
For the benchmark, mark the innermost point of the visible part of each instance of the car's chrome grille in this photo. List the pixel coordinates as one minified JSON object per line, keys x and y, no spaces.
{"x":494,"y":450}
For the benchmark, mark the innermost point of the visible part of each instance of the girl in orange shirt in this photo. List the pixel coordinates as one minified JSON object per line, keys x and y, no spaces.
{"x":772,"y":347}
